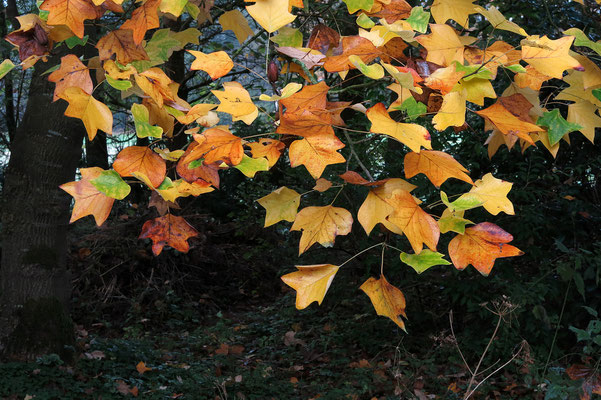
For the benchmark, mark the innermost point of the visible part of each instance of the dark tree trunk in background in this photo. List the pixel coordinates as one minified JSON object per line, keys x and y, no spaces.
{"x":35,"y":285}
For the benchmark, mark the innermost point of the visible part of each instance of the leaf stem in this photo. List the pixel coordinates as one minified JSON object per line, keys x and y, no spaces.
{"x":361,"y":252}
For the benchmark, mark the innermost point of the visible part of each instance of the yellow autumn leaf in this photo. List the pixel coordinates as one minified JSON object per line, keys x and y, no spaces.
{"x":549,"y":57}
{"x":236,"y":101}
{"x":493,"y":193}
{"x":235,"y":21}
{"x":311,"y":283}
{"x":94,"y":114}
{"x":438,"y":166}
{"x":498,"y":20}
{"x":443,"y":44}
{"x":584,"y":114}
{"x":457,"y":10}
{"x":286,"y":92}
{"x":375,"y":208}
{"x":387,"y":300}
{"x":452,"y":111}
{"x":412,"y":135}
{"x":281,"y":205}
{"x":476,"y":90}
{"x":271,"y":14}
{"x":321,"y":225}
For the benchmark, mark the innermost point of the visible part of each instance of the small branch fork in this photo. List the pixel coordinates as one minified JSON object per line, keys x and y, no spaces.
{"x":501,"y":312}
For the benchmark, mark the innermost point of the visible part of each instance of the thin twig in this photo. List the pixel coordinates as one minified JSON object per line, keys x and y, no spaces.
{"x":457,"y":343}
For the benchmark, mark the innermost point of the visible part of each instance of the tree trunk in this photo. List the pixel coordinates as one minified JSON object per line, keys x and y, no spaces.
{"x":35,"y":284}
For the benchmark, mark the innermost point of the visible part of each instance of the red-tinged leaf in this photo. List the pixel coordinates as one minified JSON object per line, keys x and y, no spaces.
{"x":88,"y":199}
{"x":480,"y":246}
{"x":354,"y":178}
{"x":143,"y":18}
{"x":121,"y":43}
{"x":168,"y":230}
{"x":143,"y":160}
{"x":69,"y":12}
{"x":31,"y":38}
{"x":323,"y":38}
{"x":72,"y":73}
{"x":207,"y":173}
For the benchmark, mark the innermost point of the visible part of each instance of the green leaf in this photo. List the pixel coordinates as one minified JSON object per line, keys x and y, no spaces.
{"x":467,"y":201}
{"x":473,"y":71}
{"x":111,"y":184}
{"x":424,"y":260}
{"x":517,"y":68}
{"x":374,"y":71}
{"x":288,"y":37}
{"x":356,"y":5}
{"x":413,"y":108}
{"x":192,"y":9}
{"x":75,"y":41}
{"x":419,"y":19}
{"x":5,"y":67}
{"x":451,"y":222}
{"x":582,"y":40}
{"x":159,"y":48}
{"x":196,"y":163}
{"x":250,"y":166}
{"x":141,"y":120}
{"x":118,"y":84}
{"x":51,"y":70}
{"x":597,"y":93}
{"x":557,"y":126}
{"x":365,"y":22}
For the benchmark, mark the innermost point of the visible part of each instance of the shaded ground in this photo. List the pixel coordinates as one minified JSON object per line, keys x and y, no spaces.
{"x":217,"y":323}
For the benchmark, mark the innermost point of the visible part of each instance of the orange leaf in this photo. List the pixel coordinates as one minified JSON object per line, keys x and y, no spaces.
{"x":321,"y":225}
{"x":436,"y":165}
{"x":217,"y":144}
{"x":121,"y":43}
{"x":307,"y":122}
{"x":143,"y":160}
{"x":168,"y":230}
{"x":312,"y":96}
{"x":141,"y":367}
{"x":88,"y":200}
{"x":72,"y":73}
{"x":155,"y":83}
{"x":350,"y":45}
{"x":510,"y":116}
{"x":69,"y":12}
{"x":216,"y":64}
{"x":390,"y":10}
{"x":376,"y":207}
{"x":143,"y":18}
{"x":388,"y":300}
{"x":315,"y":153}
{"x":354,"y":178}
{"x":480,"y":246}
{"x":416,"y":224}
{"x":270,"y":149}
{"x":94,"y":114}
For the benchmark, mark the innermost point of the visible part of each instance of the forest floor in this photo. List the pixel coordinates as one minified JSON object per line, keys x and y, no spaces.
{"x":193,"y":327}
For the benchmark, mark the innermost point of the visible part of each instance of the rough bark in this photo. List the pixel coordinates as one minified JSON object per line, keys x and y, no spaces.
{"x":34,"y":282}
